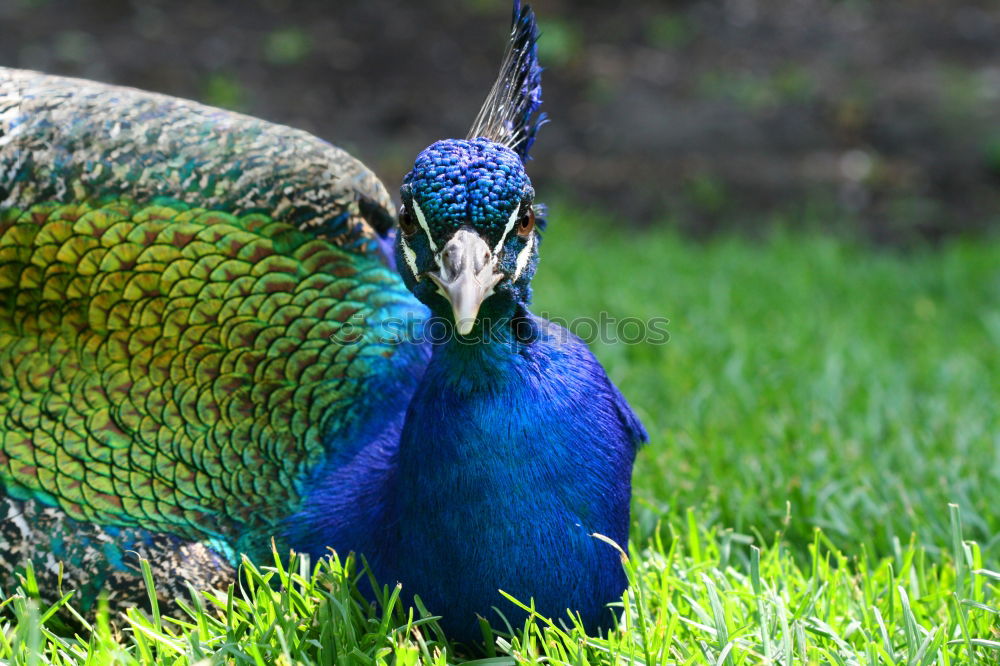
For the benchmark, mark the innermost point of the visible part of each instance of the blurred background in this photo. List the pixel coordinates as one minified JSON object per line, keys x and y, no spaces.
{"x":880,"y":117}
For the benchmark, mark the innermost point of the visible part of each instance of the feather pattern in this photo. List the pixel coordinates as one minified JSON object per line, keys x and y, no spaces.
{"x":174,"y":366}
{"x":65,"y":140}
{"x":509,"y":115}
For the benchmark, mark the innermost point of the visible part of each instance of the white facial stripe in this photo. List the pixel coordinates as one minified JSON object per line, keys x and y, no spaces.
{"x":523,"y":256}
{"x":506,"y":230}
{"x":411,"y":258}
{"x":422,"y":221}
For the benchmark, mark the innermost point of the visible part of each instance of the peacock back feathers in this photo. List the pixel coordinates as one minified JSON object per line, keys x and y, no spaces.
{"x":66,"y":140}
{"x":187,"y":298}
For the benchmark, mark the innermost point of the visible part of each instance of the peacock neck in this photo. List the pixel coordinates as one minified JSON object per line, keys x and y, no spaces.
{"x":496,"y":353}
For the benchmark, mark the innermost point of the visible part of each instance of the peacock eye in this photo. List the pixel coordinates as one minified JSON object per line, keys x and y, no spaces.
{"x":406,"y":222}
{"x":526,"y":223}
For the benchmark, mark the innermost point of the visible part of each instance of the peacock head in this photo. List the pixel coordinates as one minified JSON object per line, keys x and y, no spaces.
{"x":467,"y":230}
{"x":468,"y":244}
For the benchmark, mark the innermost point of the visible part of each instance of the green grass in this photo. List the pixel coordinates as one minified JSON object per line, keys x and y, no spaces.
{"x":818,"y":407}
{"x":807,"y":381}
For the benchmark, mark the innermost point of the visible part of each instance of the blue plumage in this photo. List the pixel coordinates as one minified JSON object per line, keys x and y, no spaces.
{"x":515,"y":452}
{"x":455,"y":182}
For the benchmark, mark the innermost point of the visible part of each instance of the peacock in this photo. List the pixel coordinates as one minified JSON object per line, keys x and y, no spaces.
{"x":218,"y":334}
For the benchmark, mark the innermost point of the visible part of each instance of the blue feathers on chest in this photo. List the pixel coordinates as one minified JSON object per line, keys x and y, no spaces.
{"x":511,"y":455}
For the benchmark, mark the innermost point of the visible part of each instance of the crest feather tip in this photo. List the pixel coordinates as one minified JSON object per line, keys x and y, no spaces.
{"x":509,"y":116}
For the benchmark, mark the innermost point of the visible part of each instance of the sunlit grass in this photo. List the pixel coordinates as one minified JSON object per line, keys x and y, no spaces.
{"x":818,"y":407}
{"x":807,"y":382}
{"x":691,"y":601}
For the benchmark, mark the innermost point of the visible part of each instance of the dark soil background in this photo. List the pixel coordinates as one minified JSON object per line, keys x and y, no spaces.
{"x":882,"y":117}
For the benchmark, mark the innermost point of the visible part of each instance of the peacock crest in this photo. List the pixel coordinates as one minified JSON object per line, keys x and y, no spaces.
{"x":509,"y":116}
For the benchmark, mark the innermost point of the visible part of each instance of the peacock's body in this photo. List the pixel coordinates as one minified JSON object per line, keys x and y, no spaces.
{"x":204,"y":345}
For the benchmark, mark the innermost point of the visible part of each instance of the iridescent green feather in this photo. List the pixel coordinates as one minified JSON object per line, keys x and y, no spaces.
{"x":173,"y":366}
{"x":174,"y":285}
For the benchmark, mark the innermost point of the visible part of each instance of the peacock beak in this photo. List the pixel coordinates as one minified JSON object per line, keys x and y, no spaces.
{"x":467,"y":276}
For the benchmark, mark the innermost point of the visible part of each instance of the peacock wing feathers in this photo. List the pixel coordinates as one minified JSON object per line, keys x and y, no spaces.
{"x":188,"y":306}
